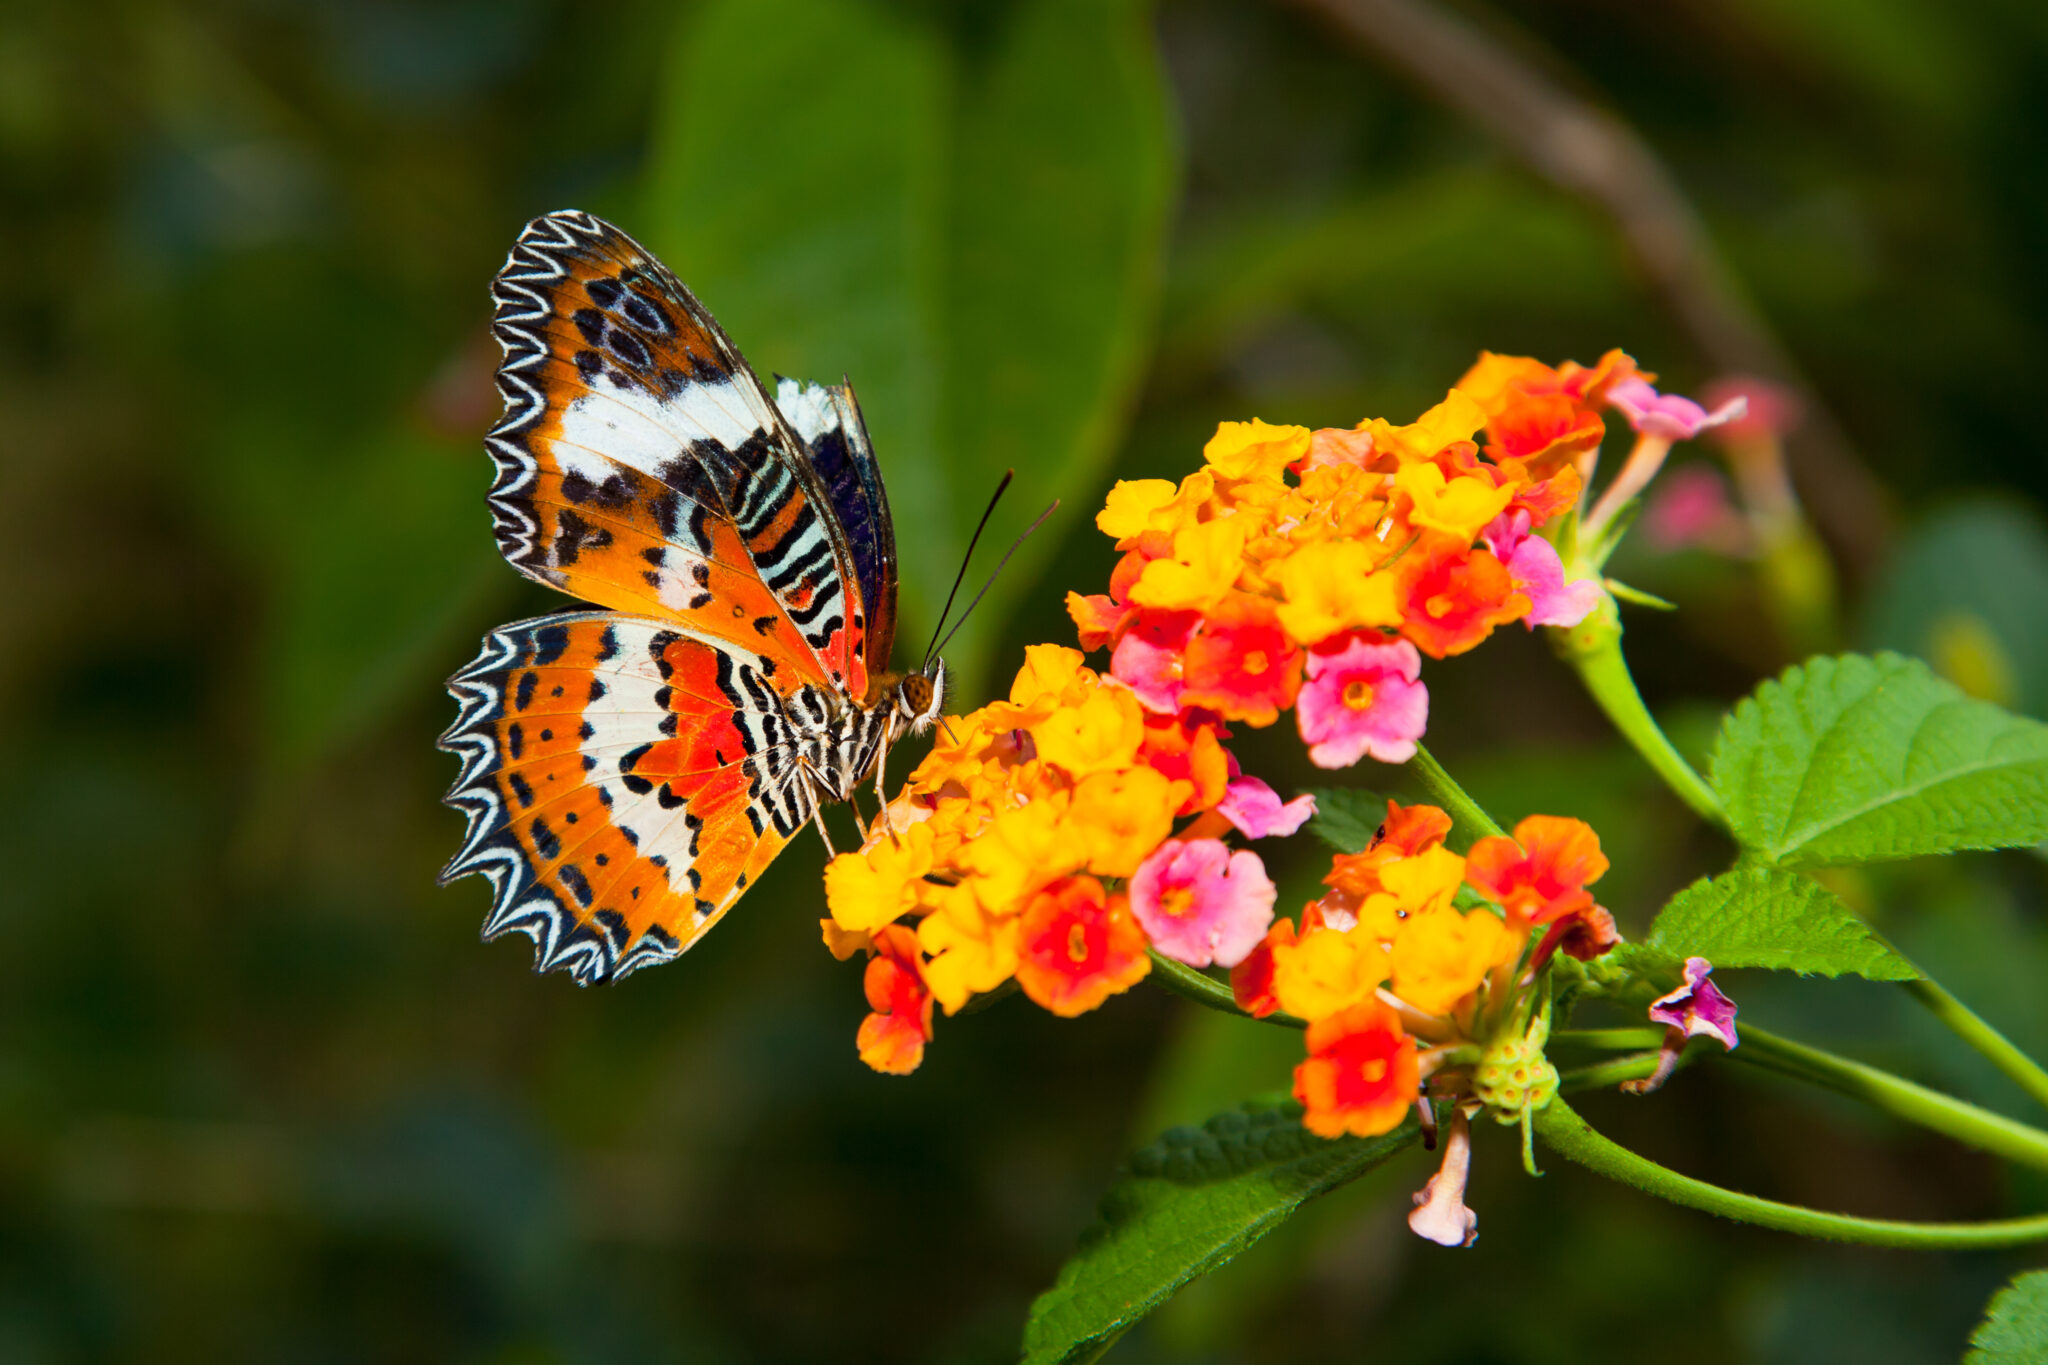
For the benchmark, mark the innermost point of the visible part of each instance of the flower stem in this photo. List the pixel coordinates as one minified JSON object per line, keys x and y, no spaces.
{"x":1901,"y":1098}
{"x":1967,"y":1025}
{"x":1572,"y":1138}
{"x":1206,"y":990}
{"x":1465,"y":813}
{"x":1593,"y":649}
{"x":1959,"y":1119}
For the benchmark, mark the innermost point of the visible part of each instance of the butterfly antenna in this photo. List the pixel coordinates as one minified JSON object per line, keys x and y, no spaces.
{"x":965,"y":560}
{"x":1015,"y":545}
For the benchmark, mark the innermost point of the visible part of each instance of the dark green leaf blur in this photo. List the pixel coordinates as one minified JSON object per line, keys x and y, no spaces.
{"x":263,"y":1096}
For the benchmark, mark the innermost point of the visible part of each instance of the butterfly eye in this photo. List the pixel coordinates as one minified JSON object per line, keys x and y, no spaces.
{"x":917,"y":694}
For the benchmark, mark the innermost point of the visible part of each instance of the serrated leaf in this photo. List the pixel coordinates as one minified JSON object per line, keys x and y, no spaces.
{"x":1861,"y":759}
{"x":1768,"y":917}
{"x":2015,"y":1326}
{"x":1183,"y":1206}
{"x":963,"y":213}
{"x":1346,"y":818}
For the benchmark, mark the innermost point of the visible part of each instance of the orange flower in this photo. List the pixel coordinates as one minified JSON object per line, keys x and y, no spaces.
{"x":1362,"y":1075}
{"x":1541,"y":874}
{"x":1452,"y":596}
{"x":1187,"y":748}
{"x":892,"y":1038}
{"x":1077,"y":947}
{"x":1251,"y":980}
{"x":1407,"y":831}
{"x":1441,"y":955}
{"x":1240,"y":664}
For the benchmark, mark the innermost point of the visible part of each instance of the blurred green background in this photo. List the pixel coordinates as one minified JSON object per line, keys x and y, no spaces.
{"x":262,"y":1095}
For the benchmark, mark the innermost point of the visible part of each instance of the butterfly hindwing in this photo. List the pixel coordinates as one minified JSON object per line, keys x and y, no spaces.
{"x":640,"y":464}
{"x":624,"y":783}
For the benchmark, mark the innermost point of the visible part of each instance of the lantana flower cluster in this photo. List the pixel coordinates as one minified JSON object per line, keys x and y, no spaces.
{"x":1056,"y":840}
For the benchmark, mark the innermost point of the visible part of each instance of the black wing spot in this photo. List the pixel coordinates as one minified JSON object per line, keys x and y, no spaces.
{"x":590,"y":322}
{"x":607,"y":650}
{"x":544,"y":838}
{"x":547,"y":736}
{"x":550,"y":643}
{"x":648,"y":314}
{"x":597,"y":687}
{"x":528,"y":681}
{"x":763,"y":624}
{"x":575,"y":535}
{"x":515,"y":739}
{"x":589,"y":364}
{"x":573,"y":878}
{"x":628,"y":348}
{"x":573,"y":818}
{"x":604,"y":860}
{"x":590,"y":762}
{"x":604,"y":292}
{"x":522,"y":789}
{"x":666,"y":798}
{"x":586,"y":730}
{"x":700,"y":601}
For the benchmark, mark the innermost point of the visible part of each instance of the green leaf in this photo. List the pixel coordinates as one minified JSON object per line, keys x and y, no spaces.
{"x":1767,"y":917}
{"x":1346,"y":818}
{"x":2015,"y":1326}
{"x":967,"y":218}
{"x":1855,"y":759}
{"x":1183,"y":1206}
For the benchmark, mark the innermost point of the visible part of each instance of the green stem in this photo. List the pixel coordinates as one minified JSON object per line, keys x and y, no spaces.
{"x":1593,"y":649}
{"x":1607,"y":1075}
{"x":1569,"y":1135}
{"x":1959,"y":1119}
{"x":1965,"y":1023}
{"x":1901,"y":1098}
{"x":1206,"y":990}
{"x":1465,"y":813}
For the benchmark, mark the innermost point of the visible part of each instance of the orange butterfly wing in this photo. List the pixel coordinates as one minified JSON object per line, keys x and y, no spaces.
{"x":641,"y":466}
{"x":624,"y":784}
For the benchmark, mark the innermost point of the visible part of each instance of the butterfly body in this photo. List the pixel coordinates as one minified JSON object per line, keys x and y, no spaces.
{"x":628,"y":772}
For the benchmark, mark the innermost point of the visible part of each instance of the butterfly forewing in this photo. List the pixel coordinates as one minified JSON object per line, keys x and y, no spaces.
{"x":641,"y":466}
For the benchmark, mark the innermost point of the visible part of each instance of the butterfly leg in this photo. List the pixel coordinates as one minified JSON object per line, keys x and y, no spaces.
{"x":881,"y":797}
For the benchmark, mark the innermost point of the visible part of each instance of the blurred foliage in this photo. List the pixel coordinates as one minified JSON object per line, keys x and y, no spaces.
{"x":261,"y":1094}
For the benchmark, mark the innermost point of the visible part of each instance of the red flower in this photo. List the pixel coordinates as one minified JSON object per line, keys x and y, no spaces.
{"x":1077,"y":947}
{"x":892,"y":1038}
{"x":1540,"y":876}
{"x":1362,"y":1075}
{"x":1240,"y":664}
{"x":1452,"y":597}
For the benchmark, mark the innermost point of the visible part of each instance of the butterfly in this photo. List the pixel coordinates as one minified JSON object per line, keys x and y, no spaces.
{"x":629,"y":771}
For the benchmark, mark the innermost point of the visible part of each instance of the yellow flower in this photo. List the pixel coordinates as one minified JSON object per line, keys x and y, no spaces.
{"x":1051,"y":675}
{"x":1255,"y":449}
{"x":1020,"y":851}
{"x":1136,"y":506}
{"x":1207,"y":558}
{"x":1101,"y":734}
{"x":1454,"y":419}
{"x":842,"y":943}
{"x":1122,"y":816}
{"x":1326,"y":971}
{"x":1411,"y":886}
{"x":1440,"y":955}
{"x":868,"y":890}
{"x":972,"y":951}
{"x":1460,"y":507}
{"x":1330,"y":586}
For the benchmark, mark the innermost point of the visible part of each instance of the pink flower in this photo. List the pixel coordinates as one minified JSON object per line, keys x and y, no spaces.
{"x":1200,"y":903}
{"x":1692,"y":508}
{"x":1151,"y":658}
{"x":1537,"y":572}
{"x":1774,"y":410}
{"x":1257,"y":811}
{"x":1667,"y":415}
{"x":1698,"y":1006}
{"x":1362,"y":696}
